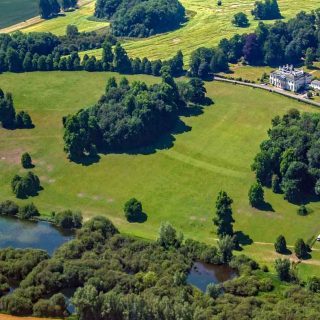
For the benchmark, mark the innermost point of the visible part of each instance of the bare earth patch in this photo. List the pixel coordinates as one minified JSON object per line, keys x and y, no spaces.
{"x":11,"y":156}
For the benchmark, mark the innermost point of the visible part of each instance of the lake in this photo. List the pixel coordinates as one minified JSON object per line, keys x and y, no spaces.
{"x":202,"y":274}
{"x":23,"y":234}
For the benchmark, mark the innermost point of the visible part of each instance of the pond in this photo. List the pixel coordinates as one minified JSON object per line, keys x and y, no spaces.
{"x":202,"y":274}
{"x":23,"y":234}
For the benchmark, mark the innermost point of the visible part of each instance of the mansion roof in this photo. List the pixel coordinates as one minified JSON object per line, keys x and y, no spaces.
{"x":289,"y":72}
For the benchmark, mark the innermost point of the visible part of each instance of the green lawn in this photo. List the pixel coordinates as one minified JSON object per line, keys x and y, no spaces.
{"x":78,"y":17}
{"x":15,"y":11}
{"x":178,"y":184}
{"x":254,"y":73}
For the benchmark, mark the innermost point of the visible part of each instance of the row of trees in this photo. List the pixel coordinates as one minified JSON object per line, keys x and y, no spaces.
{"x":301,"y":249}
{"x":50,"y":8}
{"x":9,"y":119}
{"x":45,"y":52}
{"x":128,"y":116}
{"x":137,"y":18}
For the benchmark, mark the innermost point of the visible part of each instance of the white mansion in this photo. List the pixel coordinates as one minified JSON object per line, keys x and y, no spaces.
{"x":289,"y":78}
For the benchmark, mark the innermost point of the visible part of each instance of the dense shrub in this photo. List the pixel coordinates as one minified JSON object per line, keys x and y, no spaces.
{"x":28,"y":211}
{"x":25,"y":186}
{"x":282,"y":267}
{"x":68,"y":219}
{"x":133,"y":210}
{"x":240,"y":19}
{"x":26,"y":160}
{"x":118,"y":275}
{"x":168,"y":236}
{"x":9,"y":208}
{"x":15,"y":264}
{"x":55,"y":307}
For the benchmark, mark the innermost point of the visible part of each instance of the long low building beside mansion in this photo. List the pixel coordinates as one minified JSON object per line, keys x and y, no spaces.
{"x":289,"y":78}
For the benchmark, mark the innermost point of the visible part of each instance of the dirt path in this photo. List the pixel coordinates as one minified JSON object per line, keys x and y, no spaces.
{"x":33,"y":21}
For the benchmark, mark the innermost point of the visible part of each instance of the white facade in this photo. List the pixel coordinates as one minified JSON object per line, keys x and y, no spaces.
{"x":315,"y":84}
{"x":288,"y":78}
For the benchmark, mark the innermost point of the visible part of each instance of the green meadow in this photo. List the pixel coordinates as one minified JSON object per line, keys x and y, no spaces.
{"x":208,"y":24}
{"x":15,"y":11}
{"x":177,"y":180}
{"x":81,"y":18}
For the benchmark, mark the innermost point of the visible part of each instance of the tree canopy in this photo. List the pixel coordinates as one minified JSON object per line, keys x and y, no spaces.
{"x":127,"y":116}
{"x":138,"y":18}
{"x":291,"y":152}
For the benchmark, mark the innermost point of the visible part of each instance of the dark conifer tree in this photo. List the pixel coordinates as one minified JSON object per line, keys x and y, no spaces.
{"x":224,"y":220}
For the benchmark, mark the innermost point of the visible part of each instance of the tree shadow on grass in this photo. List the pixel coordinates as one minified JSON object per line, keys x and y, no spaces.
{"x":242,"y":239}
{"x":164,"y":142}
{"x":143,"y":217}
{"x":307,"y":256}
{"x":287,"y":252}
{"x":87,"y":160}
{"x":265,"y":206}
{"x":192,"y":111}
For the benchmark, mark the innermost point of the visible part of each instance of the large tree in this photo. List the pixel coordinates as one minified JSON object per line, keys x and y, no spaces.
{"x":281,"y":245}
{"x":224,"y":220}
{"x":48,"y":8}
{"x":256,"y":195}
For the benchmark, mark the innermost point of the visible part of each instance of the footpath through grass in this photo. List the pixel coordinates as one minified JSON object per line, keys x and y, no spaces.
{"x":177,"y":180}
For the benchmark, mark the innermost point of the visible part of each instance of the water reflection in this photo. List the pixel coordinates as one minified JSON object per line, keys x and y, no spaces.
{"x":202,"y":274}
{"x":30,"y":234}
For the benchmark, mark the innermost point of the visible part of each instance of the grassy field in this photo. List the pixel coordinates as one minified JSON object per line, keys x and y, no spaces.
{"x":14,"y":11}
{"x":178,"y":184}
{"x":78,"y":18}
{"x":209,"y":24}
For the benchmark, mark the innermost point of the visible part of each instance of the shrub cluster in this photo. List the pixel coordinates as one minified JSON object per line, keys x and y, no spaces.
{"x":118,"y":275}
